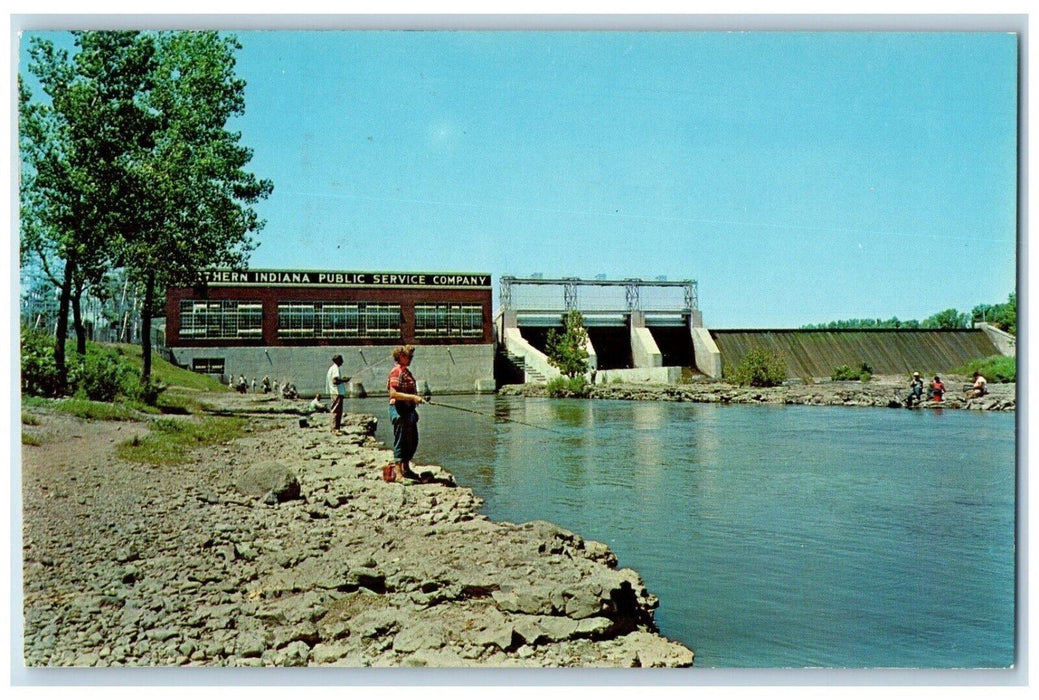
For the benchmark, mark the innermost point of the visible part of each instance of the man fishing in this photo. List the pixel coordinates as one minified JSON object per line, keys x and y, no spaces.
{"x":916,"y":390}
{"x":336,"y":385}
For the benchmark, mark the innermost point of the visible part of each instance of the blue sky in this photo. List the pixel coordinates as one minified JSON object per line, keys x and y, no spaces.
{"x":798,"y":177}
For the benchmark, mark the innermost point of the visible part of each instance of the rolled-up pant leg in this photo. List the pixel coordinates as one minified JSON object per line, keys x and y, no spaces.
{"x":405,"y":433}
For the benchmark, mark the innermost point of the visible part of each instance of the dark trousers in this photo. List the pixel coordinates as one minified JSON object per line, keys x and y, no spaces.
{"x":337,"y":411}
{"x":405,"y":432}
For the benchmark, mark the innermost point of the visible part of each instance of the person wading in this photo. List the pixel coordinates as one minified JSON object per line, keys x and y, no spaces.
{"x":403,"y":400}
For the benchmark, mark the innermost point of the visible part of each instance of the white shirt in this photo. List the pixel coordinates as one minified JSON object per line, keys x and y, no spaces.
{"x":333,"y":386}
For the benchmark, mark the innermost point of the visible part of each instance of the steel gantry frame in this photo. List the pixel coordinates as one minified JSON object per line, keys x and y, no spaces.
{"x":632,"y":290}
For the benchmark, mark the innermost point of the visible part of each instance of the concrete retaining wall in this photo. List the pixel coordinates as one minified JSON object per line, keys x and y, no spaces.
{"x":644,"y":350}
{"x":444,"y":368}
{"x":706,"y":355}
{"x":649,"y":375}
{"x":534,"y":358}
{"x":1004,"y":342}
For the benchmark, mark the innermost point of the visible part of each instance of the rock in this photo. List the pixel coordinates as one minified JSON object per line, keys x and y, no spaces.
{"x":419,"y":634}
{"x":384,"y":575}
{"x":328,"y":653}
{"x":653,"y":651}
{"x":269,"y":481}
{"x":295,"y":654}
{"x":250,"y":644}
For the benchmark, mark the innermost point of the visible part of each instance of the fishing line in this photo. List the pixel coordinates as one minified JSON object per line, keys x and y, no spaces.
{"x":487,"y":415}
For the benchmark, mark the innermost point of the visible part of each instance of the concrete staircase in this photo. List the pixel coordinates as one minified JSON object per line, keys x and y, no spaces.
{"x":530,"y":361}
{"x":529,"y":374}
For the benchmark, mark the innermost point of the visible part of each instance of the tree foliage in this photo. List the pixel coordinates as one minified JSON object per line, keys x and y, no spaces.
{"x":567,"y":351}
{"x":949,"y":318}
{"x":76,"y":149}
{"x":127,"y":162}
{"x":1002,"y":316}
{"x":863,"y":323}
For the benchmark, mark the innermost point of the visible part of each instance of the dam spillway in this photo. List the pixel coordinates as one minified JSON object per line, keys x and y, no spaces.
{"x":816,"y":353}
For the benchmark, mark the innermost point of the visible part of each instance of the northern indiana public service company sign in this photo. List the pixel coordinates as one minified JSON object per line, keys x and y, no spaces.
{"x":319,"y":278}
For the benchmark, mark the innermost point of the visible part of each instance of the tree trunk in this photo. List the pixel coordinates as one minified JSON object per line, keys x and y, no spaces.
{"x":126,"y":313}
{"x":62,"y":330}
{"x":77,"y":322}
{"x":146,"y":329}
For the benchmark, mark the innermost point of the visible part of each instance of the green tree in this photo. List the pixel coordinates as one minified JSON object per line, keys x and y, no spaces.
{"x":127,"y":162}
{"x":950,"y":318}
{"x":567,"y":351}
{"x":76,"y":145}
{"x":1002,"y":316}
{"x":194,"y":192}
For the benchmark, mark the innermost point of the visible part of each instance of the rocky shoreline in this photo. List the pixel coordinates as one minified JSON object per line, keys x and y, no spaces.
{"x":880,"y":392}
{"x":286,"y":549}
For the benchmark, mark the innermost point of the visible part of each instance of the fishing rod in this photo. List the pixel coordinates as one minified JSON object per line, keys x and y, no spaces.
{"x":367,"y":366}
{"x":487,"y":415}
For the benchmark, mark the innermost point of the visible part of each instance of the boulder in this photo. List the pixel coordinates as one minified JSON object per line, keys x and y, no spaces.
{"x":271,"y":481}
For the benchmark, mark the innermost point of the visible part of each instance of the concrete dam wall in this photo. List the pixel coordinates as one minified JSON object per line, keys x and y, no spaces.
{"x":888,"y":351}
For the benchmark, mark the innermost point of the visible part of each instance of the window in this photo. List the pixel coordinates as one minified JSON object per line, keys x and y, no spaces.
{"x":448,"y":321}
{"x":318,"y":319}
{"x":220,"y":319}
{"x":208,"y":365}
{"x":296,"y":320}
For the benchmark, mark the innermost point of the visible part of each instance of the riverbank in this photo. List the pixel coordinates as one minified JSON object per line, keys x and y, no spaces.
{"x":285,"y":548}
{"x":879,"y":392}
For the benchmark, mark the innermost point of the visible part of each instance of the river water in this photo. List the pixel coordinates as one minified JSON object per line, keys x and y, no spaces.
{"x":775,"y":536}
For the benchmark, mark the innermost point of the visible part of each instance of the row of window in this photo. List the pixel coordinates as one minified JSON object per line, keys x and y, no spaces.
{"x":229,"y":319}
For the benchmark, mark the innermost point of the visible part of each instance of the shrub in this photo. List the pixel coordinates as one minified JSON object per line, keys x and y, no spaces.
{"x":568,"y":387}
{"x":997,"y":368}
{"x":144,"y":392}
{"x":845,"y":373}
{"x":99,"y":376}
{"x":39,"y":373}
{"x":759,"y":368}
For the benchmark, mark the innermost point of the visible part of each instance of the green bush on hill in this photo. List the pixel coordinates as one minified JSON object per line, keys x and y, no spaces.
{"x":106,"y":373}
{"x":759,"y":368}
{"x":997,"y":368}
{"x":39,"y":374}
{"x":99,"y":375}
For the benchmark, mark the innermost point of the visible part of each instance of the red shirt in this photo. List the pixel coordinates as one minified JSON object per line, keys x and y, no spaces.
{"x":402,"y":380}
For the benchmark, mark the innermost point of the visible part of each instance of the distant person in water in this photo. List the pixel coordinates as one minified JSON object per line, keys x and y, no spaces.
{"x":404,"y":398}
{"x":936,"y":390}
{"x":979,"y":388}
{"x":916,"y":390}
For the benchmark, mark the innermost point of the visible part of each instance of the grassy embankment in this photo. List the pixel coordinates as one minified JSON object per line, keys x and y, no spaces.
{"x":170,"y":440}
{"x":998,"y":369}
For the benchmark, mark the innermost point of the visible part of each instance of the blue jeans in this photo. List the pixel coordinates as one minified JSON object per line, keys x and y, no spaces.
{"x":405,"y":432}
